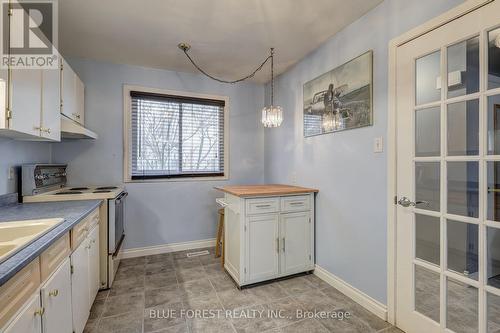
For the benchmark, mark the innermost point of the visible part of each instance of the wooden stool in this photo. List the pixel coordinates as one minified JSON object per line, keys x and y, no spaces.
{"x":219,"y":243}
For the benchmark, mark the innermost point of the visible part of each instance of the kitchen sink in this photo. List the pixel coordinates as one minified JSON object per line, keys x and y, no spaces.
{"x":16,"y":235}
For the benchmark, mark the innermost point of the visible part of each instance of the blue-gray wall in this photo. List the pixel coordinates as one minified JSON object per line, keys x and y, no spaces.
{"x":163,"y":212}
{"x":351,"y":231}
{"x":13,"y":154}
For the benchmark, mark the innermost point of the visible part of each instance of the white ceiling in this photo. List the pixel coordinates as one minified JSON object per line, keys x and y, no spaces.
{"x":229,"y":38}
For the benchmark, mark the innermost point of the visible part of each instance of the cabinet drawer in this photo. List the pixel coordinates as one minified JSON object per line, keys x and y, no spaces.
{"x":295,"y":203}
{"x":54,"y":255}
{"x":15,"y":292}
{"x":80,"y":231}
{"x":263,"y":205}
{"x":93,"y":218}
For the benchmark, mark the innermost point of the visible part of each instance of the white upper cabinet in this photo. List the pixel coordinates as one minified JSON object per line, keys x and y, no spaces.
{"x":51,"y":100}
{"x":26,"y":98}
{"x":72,"y":96}
{"x":30,"y":104}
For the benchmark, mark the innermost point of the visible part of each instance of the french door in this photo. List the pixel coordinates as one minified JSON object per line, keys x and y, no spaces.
{"x":448,"y":177}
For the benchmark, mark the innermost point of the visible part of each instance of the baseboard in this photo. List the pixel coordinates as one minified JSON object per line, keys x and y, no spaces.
{"x":167,"y":248}
{"x":369,"y":303}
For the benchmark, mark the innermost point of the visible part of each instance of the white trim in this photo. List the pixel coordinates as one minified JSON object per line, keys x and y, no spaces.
{"x":167,"y":248}
{"x":432,"y":24}
{"x":127,"y":133}
{"x":369,"y":303}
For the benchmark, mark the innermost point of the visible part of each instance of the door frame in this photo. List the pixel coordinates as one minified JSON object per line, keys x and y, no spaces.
{"x":453,"y":14}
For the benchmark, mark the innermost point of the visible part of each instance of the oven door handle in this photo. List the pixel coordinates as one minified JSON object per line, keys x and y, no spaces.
{"x":121,"y":196}
{"x":119,"y":246}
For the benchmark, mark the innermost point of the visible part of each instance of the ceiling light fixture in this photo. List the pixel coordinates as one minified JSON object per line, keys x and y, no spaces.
{"x":272,"y":115}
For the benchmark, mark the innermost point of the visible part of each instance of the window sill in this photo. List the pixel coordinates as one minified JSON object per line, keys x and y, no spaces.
{"x":181,"y":179}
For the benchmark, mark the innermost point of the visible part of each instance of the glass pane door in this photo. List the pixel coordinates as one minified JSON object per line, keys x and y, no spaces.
{"x":450,"y":90}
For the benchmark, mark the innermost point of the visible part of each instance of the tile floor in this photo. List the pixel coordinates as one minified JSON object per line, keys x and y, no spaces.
{"x":177,"y":289}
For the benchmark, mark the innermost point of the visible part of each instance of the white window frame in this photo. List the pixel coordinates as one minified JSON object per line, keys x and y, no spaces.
{"x":127,"y":134}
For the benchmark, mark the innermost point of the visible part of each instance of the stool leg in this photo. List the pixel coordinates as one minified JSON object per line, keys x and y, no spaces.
{"x":219,"y":236}
{"x":222,"y":241}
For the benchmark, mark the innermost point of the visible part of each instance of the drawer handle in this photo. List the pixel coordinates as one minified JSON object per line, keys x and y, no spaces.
{"x":297,"y":203}
{"x":278,"y":245}
{"x":263,"y":206}
{"x":39,"y":312}
{"x":54,"y":293}
{"x":283,"y":244}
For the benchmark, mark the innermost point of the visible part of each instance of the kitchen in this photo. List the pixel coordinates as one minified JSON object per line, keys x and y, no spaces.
{"x":211,"y":166}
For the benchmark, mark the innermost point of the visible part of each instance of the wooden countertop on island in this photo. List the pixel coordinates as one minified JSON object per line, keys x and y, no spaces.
{"x":264,"y":190}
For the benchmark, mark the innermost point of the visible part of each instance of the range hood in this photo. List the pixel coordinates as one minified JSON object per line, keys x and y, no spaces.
{"x":72,"y":130}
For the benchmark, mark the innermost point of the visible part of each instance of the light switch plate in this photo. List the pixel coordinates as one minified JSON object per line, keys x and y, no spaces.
{"x":378,"y":145}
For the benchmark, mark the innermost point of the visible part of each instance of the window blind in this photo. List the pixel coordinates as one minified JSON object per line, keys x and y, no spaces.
{"x":176,"y":136}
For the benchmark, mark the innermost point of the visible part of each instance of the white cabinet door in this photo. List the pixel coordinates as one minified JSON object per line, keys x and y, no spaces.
{"x":263,"y":247}
{"x":56,"y":300}
{"x":79,"y":100}
{"x":80,"y":299}
{"x":295,"y":242}
{"x":72,"y":94}
{"x":51,"y":105}
{"x":94,"y":277}
{"x":26,"y":100}
{"x":29,"y":319}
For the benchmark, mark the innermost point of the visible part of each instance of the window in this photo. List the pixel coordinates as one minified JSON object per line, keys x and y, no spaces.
{"x":174,"y":136}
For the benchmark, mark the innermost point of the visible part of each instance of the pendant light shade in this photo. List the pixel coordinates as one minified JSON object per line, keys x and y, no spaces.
{"x":272,"y":115}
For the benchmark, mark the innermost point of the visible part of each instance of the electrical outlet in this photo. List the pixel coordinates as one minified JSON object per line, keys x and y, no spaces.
{"x":11,"y":173}
{"x":378,"y":145}
{"x":293,"y":178}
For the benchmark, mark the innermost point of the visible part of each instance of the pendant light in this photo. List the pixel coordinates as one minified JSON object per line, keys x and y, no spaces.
{"x":272,"y":115}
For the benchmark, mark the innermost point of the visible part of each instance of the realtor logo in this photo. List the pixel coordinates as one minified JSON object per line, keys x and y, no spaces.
{"x":29,"y":34}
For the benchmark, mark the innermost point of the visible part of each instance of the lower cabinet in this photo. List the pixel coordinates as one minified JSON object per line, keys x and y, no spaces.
{"x":56,"y":296}
{"x":29,"y":319}
{"x":263,"y":247}
{"x":93,"y":255}
{"x":295,"y":240}
{"x":80,"y":286}
{"x":268,"y":237}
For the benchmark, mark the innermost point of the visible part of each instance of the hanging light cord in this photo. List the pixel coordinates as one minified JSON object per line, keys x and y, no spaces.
{"x":185,"y":48}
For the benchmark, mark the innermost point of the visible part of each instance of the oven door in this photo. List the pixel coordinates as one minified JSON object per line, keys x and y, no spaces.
{"x":115,"y":223}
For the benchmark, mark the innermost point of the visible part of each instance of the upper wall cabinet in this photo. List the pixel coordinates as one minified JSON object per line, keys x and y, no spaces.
{"x":72,"y":94}
{"x":30,"y":104}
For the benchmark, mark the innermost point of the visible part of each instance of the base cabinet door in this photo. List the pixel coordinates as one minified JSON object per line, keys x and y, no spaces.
{"x":80,"y":299}
{"x":295,"y":240}
{"x":94,"y":277}
{"x":263,"y":247}
{"x":29,"y":319}
{"x":56,"y":300}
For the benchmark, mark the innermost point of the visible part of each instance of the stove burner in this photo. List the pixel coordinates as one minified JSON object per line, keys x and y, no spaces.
{"x":68,"y":192}
{"x":101,"y":191}
{"x":107,"y":188}
{"x":78,"y":188}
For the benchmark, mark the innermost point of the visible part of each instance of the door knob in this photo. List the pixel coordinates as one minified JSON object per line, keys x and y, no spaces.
{"x":405,"y":202}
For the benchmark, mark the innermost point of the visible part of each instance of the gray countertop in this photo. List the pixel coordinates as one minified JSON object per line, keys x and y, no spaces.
{"x":71,"y":211}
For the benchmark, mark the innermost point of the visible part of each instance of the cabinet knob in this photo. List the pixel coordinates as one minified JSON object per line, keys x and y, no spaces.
{"x":54,"y":293}
{"x":40,"y":312}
